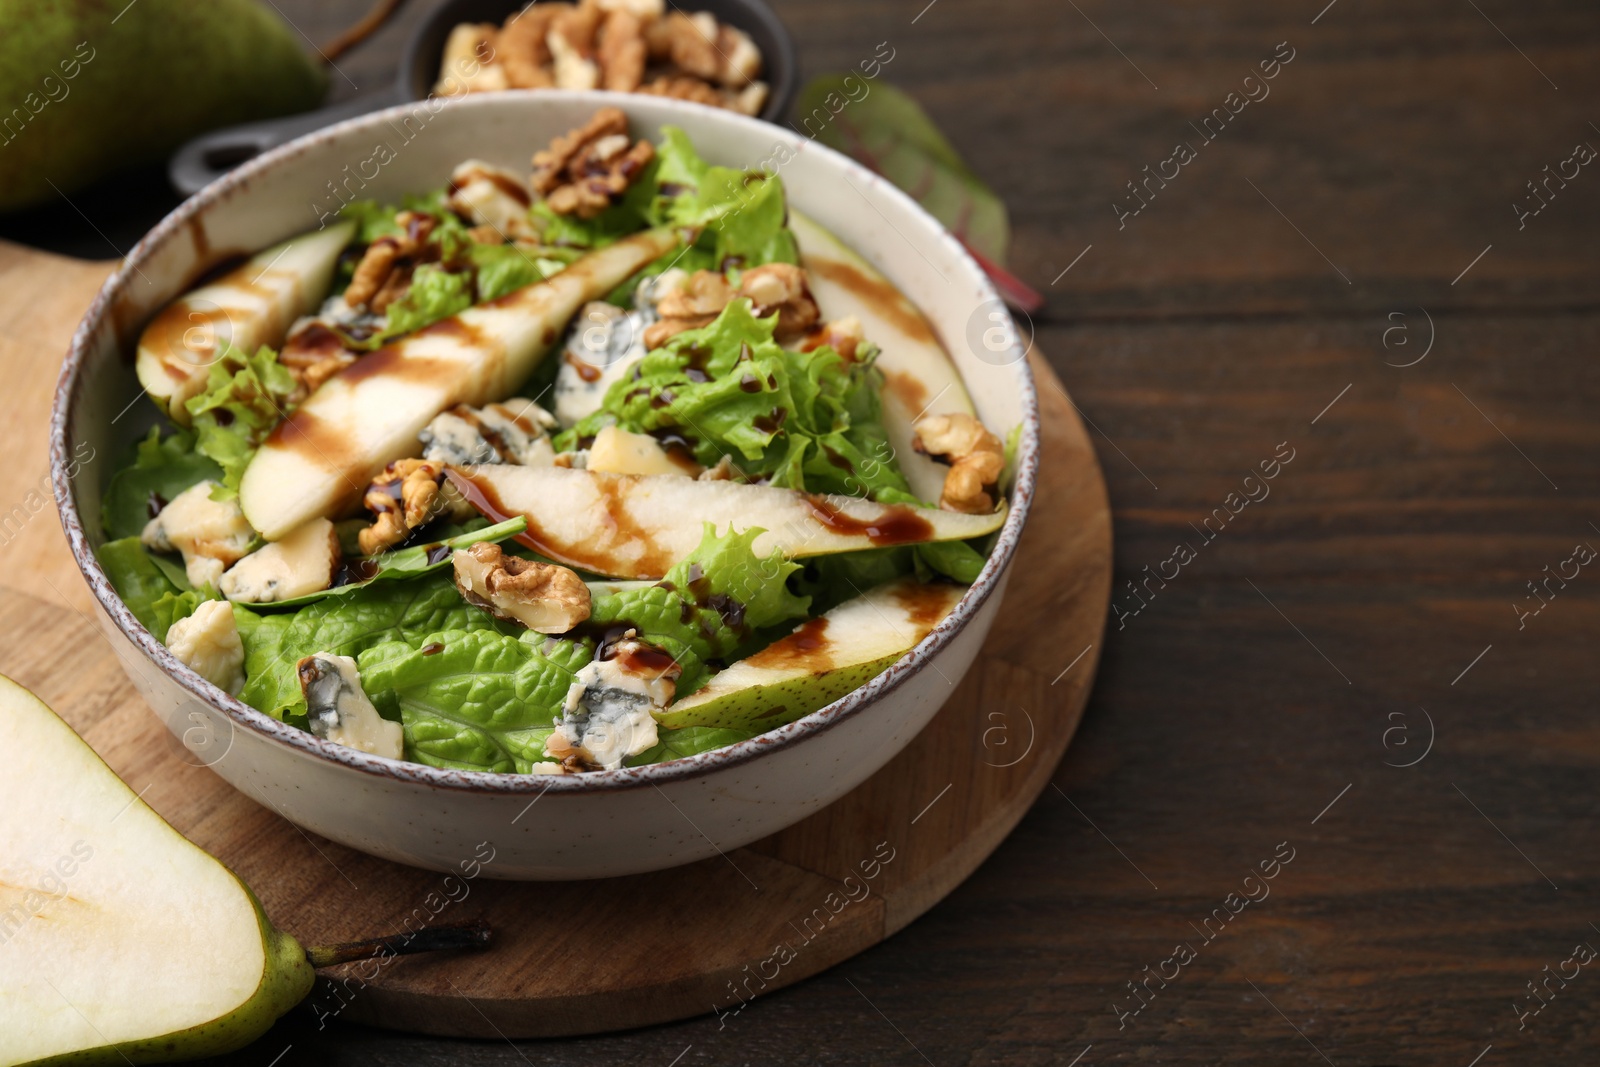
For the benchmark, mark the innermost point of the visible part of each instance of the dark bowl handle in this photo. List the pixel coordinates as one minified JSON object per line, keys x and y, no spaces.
{"x":210,"y":156}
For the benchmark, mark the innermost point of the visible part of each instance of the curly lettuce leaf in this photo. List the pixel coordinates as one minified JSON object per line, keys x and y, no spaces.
{"x":503,"y":269}
{"x":346,"y":626}
{"x":162,"y":468}
{"x":476,"y":700}
{"x":709,"y":603}
{"x":743,"y":212}
{"x":811,"y":421}
{"x":435,"y":294}
{"x":244,"y":398}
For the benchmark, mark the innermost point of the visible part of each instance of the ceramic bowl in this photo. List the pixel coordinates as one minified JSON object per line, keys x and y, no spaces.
{"x":542,"y":827}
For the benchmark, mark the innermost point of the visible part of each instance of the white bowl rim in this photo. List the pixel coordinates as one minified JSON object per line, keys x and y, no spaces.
{"x":240,"y":714}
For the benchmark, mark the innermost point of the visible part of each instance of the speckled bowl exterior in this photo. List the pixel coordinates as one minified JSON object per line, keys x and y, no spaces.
{"x":542,"y":827}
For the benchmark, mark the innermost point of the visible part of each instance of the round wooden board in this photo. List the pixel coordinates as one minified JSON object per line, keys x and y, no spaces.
{"x":584,"y":957}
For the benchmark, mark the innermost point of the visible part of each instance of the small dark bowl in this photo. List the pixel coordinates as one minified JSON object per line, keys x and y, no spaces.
{"x":210,"y":156}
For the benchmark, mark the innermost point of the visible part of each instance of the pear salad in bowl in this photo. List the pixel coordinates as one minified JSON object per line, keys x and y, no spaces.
{"x":552,"y":474}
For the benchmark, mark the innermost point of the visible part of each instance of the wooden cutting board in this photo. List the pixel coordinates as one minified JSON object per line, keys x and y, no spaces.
{"x":580,"y":957}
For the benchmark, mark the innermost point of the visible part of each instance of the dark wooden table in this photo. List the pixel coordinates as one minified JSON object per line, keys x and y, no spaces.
{"x":1340,"y":276}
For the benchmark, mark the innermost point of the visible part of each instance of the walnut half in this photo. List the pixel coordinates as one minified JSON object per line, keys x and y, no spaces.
{"x":402,"y":498}
{"x":544,"y":597}
{"x":774,"y":287}
{"x":586,"y":171}
{"x":975,"y":455}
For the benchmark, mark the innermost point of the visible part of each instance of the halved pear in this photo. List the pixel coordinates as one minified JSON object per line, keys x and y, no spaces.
{"x":639,"y":525}
{"x":919,"y":377}
{"x":119,"y":940}
{"x":250,"y":306}
{"x":825,"y":658}
{"x":320,"y":459}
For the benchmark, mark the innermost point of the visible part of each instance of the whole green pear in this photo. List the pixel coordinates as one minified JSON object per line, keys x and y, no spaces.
{"x":91,"y":87}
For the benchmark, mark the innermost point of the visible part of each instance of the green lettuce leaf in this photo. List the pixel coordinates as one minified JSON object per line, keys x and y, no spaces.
{"x":476,"y":700}
{"x":953,"y":559}
{"x":743,"y":212}
{"x":709,"y":604}
{"x":435,"y":294}
{"x":174,"y":606}
{"x":679,"y":167}
{"x":689,"y":741}
{"x":155,"y":600}
{"x":373,"y":220}
{"x":346,"y":626}
{"x":803,"y":420}
{"x":162,"y":468}
{"x":503,"y":269}
{"x":245,"y":397}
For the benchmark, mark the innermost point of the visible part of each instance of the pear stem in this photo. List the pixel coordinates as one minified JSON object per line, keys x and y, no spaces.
{"x":370,"y":23}
{"x":474,"y":934}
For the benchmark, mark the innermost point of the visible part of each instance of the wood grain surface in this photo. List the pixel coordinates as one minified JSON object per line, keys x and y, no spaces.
{"x":1378,"y":579}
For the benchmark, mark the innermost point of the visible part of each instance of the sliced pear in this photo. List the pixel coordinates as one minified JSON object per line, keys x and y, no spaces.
{"x":919,"y":377}
{"x":320,"y":459}
{"x":250,"y":306}
{"x":120,"y":941}
{"x":823,"y":659}
{"x":118,"y":938}
{"x":639,"y":525}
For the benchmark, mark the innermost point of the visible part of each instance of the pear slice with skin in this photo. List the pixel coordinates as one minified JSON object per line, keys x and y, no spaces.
{"x":639,"y":525}
{"x":825,"y":658}
{"x":319,"y":460}
{"x":250,"y":306}
{"x":120,"y":941}
{"x":919,"y":376}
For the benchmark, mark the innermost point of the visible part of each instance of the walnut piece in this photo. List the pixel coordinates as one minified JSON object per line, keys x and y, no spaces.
{"x":313,"y":353}
{"x":775,"y":287}
{"x":622,"y":52}
{"x":544,"y":597}
{"x":521,"y":47}
{"x":402,"y":498}
{"x":739,"y":58}
{"x":584,"y":172}
{"x":620,"y":45}
{"x":572,"y":46}
{"x":844,"y":336}
{"x":692,"y":44}
{"x":469,"y":61}
{"x":384,"y":273}
{"x":682,"y":87}
{"x":975,"y":455}
{"x":781,"y":287}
